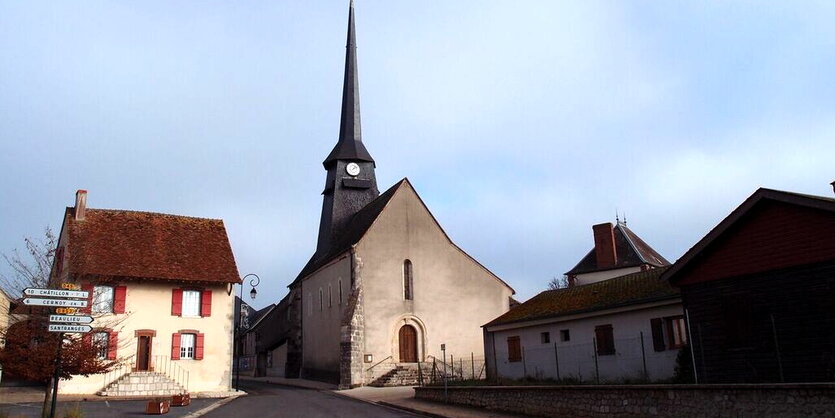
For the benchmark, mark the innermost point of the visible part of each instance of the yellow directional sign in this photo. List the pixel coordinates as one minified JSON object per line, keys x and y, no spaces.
{"x":70,"y":286}
{"x":66,"y":311}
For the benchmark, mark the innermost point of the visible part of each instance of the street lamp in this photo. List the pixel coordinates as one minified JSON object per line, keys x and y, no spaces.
{"x":252,"y":293}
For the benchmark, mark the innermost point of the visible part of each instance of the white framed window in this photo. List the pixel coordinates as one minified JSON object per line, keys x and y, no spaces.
{"x":191,"y":303}
{"x":101,"y":340}
{"x":102,"y":299}
{"x":187,"y":342}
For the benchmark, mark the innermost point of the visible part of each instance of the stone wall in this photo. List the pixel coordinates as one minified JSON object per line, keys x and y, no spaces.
{"x":351,"y":344}
{"x":788,"y":400}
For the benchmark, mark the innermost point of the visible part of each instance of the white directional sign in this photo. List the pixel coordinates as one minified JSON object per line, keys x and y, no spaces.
{"x":73,"y":319}
{"x":55,"y":302}
{"x":58,"y":293}
{"x":69,"y":328}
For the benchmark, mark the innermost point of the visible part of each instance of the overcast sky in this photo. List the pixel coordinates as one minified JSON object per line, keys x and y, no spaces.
{"x":520,"y":123}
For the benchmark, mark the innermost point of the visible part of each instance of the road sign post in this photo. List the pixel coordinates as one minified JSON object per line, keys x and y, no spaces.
{"x":72,"y":319}
{"x":74,"y":329}
{"x":57,"y":293}
{"x":55,"y":302}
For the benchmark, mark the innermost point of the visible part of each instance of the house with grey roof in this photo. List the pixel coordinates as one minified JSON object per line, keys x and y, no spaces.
{"x":616,"y":321}
{"x":617,"y":251}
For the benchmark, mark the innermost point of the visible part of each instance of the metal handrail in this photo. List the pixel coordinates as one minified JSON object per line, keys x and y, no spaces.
{"x":157,"y":364}
{"x":378,"y":363}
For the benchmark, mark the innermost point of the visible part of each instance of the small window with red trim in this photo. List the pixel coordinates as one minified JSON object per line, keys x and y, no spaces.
{"x":187,"y":345}
{"x":101,"y":342}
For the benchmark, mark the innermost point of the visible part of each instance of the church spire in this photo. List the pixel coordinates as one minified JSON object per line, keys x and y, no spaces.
{"x":351,"y":182}
{"x":350,"y":146}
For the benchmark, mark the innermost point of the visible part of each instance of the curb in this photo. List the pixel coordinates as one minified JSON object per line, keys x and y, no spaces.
{"x":212,"y":407}
{"x":410,"y":409}
{"x":389,"y":405}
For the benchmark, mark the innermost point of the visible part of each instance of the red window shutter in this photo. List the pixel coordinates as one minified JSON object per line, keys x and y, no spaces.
{"x":175,"y":346}
{"x":87,"y":339}
{"x":112,"y":342}
{"x":88,"y":288}
{"x":198,"y":347}
{"x":657,"y":334}
{"x":206,"y":303}
{"x":119,"y":294}
{"x":177,"y":302}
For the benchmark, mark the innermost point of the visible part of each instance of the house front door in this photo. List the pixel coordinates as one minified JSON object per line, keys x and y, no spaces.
{"x":408,"y":344}
{"x":143,"y":353}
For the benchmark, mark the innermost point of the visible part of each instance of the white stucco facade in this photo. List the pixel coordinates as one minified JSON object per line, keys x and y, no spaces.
{"x":576,"y":356}
{"x":148,"y":311}
{"x":599,"y":276}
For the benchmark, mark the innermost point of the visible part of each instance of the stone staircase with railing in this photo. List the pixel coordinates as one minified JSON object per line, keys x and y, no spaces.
{"x":143,"y":384}
{"x":400,"y":375}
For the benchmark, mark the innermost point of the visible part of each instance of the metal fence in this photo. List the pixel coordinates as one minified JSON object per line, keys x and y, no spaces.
{"x":633,"y":359}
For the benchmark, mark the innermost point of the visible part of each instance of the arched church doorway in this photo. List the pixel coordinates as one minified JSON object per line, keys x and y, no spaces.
{"x":408,"y":344}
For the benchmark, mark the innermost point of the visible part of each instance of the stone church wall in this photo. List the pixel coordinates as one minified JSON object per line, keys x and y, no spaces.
{"x":322,"y":319}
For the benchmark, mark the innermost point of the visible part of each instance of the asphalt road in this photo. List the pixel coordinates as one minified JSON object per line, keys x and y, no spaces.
{"x":268,"y":400}
{"x":100,"y":409}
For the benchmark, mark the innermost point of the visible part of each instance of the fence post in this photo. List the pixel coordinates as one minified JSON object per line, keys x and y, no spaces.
{"x":691,"y":343}
{"x":702,"y":353}
{"x":472,"y":361}
{"x":557,"y":361}
{"x":524,"y":364}
{"x":644,"y":357}
{"x":420,"y":376}
{"x":596,"y":368}
{"x":777,"y":348}
{"x":452,"y":364}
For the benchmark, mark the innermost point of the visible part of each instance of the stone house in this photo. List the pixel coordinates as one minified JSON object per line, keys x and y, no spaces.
{"x":759,"y":290}
{"x":161,"y":297}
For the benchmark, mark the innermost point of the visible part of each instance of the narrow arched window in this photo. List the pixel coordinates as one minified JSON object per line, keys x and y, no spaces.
{"x":321,"y":300}
{"x":408,"y":281}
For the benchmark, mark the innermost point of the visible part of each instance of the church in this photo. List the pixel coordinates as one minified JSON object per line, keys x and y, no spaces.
{"x":386,"y":287}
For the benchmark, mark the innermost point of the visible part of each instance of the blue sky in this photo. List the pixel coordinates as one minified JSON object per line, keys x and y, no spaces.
{"x":520,"y":123}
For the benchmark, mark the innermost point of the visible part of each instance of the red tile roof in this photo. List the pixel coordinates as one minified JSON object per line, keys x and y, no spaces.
{"x":630,"y":289}
{"x":126,"y":244}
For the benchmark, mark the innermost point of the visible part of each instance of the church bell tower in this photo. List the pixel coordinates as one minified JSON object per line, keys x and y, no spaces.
{"x":351,"y":183}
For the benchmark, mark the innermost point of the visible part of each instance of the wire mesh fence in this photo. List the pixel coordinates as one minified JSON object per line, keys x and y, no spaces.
{"x":624,"y":360}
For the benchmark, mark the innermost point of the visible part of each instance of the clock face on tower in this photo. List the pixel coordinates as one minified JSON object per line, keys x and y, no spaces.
{"x":352,"y":169}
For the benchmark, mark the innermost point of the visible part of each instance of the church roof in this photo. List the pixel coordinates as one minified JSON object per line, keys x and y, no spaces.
{"x":359,"y":225}
{"x":630,"y":289}
{"x":350,"y":146}
{"x":632,"y":251}
{"x":130,"y":244}
{"x":355,"y":230}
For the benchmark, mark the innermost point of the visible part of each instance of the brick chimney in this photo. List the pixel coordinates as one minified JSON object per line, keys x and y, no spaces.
{"x":80,"y":204}
{"x":604,"y":245}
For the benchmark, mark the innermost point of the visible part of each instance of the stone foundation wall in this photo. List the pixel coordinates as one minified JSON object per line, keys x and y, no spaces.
{"x":789,"y":400}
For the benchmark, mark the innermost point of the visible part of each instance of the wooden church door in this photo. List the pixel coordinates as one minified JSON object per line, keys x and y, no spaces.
{"x":408,"y":344}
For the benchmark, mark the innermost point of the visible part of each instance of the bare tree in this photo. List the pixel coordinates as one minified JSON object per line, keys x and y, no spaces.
{"x":557,"y":282}
{"x":32,"y":270}
{"x":29,"y":350}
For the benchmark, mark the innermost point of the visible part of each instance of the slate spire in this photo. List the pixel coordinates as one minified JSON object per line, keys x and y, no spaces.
{"x":351,"y":182}
{"x":350,"y":146}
